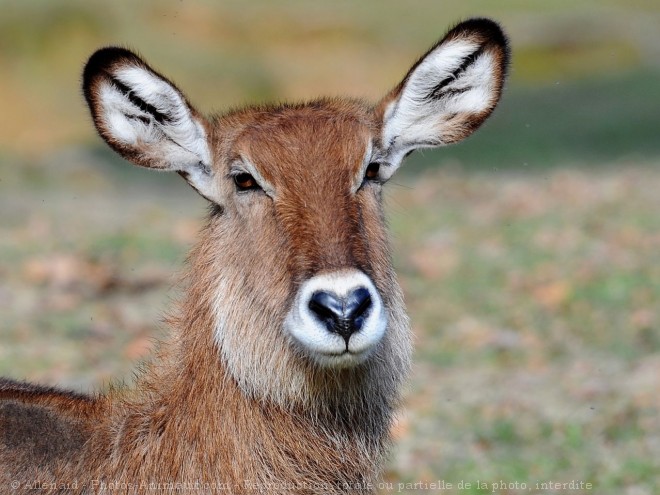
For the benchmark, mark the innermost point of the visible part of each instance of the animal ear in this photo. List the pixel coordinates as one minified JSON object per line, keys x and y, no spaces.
{"x":145,"y":118}
{"x":446,"y":95}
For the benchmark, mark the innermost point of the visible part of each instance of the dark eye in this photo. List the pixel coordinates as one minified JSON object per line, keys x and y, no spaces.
{"x":245,"y":182}
{"x":372,"y":171}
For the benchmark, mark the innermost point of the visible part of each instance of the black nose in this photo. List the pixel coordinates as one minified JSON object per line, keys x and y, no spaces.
{"x":342,"y":315}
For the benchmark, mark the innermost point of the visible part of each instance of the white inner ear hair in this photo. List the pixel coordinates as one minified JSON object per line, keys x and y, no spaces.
{"x":437,"y":89}
{"x":172,"y":119}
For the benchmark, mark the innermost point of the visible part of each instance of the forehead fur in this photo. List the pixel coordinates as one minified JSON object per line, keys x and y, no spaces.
{"x":326,"y":134}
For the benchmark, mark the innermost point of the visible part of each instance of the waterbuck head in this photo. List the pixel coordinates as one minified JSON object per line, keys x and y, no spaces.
{"x":292,"y":284}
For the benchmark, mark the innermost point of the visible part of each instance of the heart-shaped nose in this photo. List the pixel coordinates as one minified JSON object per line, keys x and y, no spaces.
{"x":341,"y":315}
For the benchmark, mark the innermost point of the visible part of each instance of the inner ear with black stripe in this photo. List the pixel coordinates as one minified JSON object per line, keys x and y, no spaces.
{"x":446,"y":95}
{"x":146,"y":119}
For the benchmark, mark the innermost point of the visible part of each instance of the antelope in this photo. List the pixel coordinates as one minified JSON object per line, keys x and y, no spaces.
{"x":286,"y":355}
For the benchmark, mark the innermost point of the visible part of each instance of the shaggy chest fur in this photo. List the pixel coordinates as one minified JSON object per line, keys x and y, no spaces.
{"x":225,"y":443}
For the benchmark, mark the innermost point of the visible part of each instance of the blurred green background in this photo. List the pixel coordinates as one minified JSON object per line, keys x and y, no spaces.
{"x":530,"y":254}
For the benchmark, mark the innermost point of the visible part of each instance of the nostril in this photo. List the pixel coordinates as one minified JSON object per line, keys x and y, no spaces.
{"x":342,"y":315}
{"x":358,"y":303}
{"x":326,"y":305}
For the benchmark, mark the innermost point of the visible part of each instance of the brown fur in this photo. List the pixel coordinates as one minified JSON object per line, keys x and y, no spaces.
{"x":230,"y":398}
{"x":188,"y":420}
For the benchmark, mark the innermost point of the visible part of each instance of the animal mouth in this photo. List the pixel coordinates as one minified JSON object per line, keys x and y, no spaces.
{"x":342,"y":359}
{"x":342,"y":353}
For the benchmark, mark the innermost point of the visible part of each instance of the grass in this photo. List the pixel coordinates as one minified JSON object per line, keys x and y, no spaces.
{"x":532,"y":295}
{"x":583,"y":82}
{"x":529,"y":256}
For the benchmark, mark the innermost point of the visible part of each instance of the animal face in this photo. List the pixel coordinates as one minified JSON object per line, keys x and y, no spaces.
{"x":295,"y":261}
{"x":307,"y":173}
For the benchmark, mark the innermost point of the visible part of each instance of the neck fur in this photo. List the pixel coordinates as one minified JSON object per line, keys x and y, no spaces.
{"x":333,"y":430}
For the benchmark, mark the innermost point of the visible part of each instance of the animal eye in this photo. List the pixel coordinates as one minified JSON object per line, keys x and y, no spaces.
{"x":372,"y":171}
{"x":245,"y":182}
